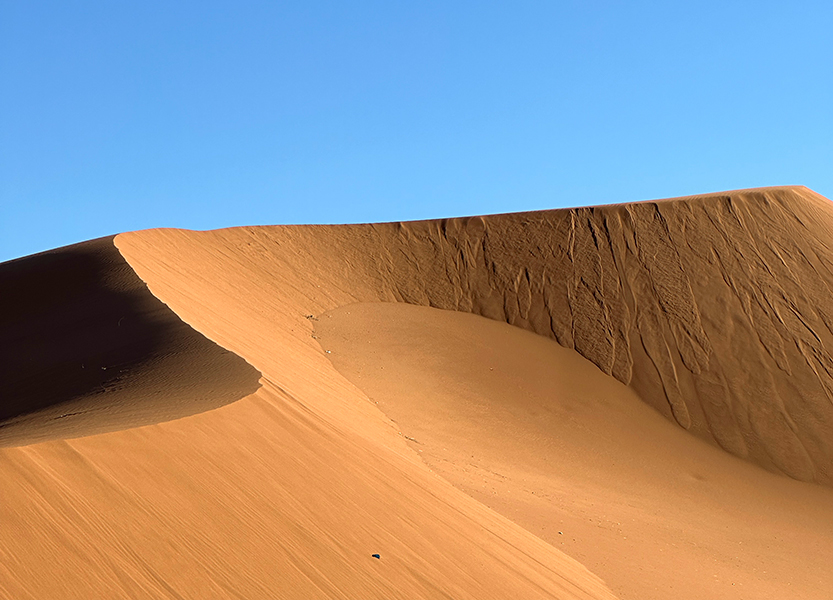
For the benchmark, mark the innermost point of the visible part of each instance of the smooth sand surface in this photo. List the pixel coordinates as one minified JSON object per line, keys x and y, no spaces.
{"x":536,"y":432}
{"x":714,"y":311}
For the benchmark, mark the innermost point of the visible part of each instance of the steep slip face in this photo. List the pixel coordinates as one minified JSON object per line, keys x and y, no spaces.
{"x":717,"y":310}
{"x":86,"y":348}
{"x":261,"y":498}
{"x":648,"y":307}
{"x":287,"y":493}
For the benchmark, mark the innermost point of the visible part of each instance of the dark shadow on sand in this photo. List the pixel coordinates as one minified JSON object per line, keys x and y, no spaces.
{"x":86,"y":348}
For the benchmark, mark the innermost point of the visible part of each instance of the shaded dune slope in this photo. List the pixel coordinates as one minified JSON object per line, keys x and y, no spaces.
{"x":86,"y":348}
{"x":715,"y":309}
{"x":283,"y":494}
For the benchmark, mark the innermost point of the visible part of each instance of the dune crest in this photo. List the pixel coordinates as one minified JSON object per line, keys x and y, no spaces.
{"x":86,"y":349}
{"x":287,"y":493}
{"x":715,"y":309}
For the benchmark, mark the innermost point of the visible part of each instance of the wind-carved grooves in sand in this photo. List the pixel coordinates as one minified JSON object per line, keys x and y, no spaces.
{"x":715,"y":309}
{"x":86,"y":348}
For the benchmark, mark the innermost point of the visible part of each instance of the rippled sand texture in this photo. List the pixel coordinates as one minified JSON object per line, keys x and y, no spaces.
{"x":228,"y":457}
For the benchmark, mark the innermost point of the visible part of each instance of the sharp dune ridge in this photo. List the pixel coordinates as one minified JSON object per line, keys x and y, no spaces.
{"x":666,"y":296}
{"x":714,"y":310}
{"x":88,"y":349}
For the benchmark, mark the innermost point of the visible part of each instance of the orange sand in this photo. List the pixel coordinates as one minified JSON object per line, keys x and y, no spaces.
{"x":535,"y":432}
{"x":714,"y":312}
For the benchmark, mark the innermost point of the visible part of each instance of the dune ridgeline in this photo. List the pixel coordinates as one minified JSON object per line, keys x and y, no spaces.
{"x":629,"y":401}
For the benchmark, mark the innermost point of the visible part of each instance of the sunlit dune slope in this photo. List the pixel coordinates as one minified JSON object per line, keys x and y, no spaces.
{"x":715,"y":309}
{"x":86,"y":348}
{"x":260,"y":499}
{"x":537,"y":432}
{"x":286,"y":493}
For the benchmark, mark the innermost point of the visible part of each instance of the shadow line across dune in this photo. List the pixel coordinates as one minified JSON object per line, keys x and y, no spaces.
{"x":85,"y":348}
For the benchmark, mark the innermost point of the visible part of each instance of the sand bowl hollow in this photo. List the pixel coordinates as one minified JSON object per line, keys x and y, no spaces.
{"x":628,"y":401}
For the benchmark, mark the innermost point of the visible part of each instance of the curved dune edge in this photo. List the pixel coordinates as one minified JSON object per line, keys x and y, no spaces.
{"x":287,"y":492}
{"x":693,"y":325}
{"x":715,"y":309}
{"x":539,"y":434}
{"x":355,"y":485}
{"x":87,"y":349}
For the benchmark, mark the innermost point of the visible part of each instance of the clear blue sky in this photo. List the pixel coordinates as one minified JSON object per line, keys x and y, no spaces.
{"x":117,"y":116}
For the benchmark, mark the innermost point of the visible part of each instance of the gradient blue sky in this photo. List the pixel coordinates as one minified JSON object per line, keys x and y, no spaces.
{"x":117,"y":116}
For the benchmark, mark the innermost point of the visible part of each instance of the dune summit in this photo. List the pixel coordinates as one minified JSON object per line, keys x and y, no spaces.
{"x":668,"y":297}
{"x":713,"y":311}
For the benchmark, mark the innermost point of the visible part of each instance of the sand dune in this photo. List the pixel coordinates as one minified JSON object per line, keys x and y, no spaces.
{"x":711,"y":311}
{"x":532,"y":430}
{"x":87,"y":349}
{"x":668,"y":297}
